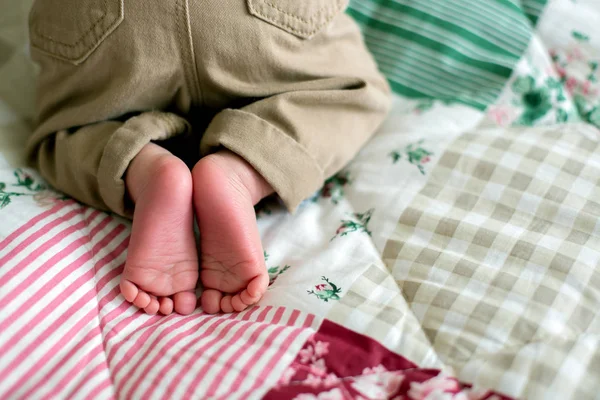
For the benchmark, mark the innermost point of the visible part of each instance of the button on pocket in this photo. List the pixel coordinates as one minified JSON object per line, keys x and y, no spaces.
{"x":72,"y":29}
{"x":303,"y":18}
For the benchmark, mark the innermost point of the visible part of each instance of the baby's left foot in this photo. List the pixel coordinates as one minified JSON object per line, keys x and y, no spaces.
{"x":232,"y":267}
{"x":161,"y":271}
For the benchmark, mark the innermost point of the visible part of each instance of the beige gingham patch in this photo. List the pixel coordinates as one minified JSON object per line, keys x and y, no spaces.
{"x":375,"y":307}
{"x":498,"y":257}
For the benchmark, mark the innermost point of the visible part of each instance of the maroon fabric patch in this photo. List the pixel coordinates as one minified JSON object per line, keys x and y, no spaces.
{"x":336,"y":363}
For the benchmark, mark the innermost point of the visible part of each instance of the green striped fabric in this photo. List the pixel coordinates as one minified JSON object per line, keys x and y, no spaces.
{"x":451,"y":50}
{"x":533,"y":9}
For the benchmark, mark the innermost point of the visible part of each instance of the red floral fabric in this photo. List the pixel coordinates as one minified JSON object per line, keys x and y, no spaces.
{"x":336,"y":363}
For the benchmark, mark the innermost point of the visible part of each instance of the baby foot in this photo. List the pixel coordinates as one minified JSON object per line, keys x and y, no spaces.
{"x":232,"y":269}
{"x":161,"y":270}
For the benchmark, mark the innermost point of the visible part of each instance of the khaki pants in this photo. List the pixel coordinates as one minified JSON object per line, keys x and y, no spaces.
{"x":286,"y":84}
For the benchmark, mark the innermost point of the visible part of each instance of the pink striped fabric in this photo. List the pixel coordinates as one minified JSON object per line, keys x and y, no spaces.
{"x":65,"y":331}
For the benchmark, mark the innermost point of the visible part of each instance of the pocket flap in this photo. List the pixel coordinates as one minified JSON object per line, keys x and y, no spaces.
{"x":303,"y":18}
{"x":72,"y":29}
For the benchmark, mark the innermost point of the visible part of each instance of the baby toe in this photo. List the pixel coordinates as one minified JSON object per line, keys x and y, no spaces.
{"x":184,"y":303}
{"x":142,"y":300}
{"x":255,"y":290}
{"x":237,"y":303}
{"x":129,"y":290}
{"x":211,"y":301}
{"x":153,"y":307}
{"x":166,"y":306}
{"x":226,"y":306}
{"x":258,"y":286}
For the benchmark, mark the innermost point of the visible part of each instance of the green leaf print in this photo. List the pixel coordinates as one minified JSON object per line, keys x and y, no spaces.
{"x":593,"y":70}
{"x":415,"y":154}
{"x":26,"y":187}
{"x":580,"y":103}
{"x":553,"y":83}
{"x":588,"y":112}
{"x":396,"y":156}
{"x":594,"y":116}
{"x":360,"y":222}
{"x":580,"y":36}
{"x":25,"y":180}
{"x":561,"y":115}
{"x":274,"y":272}
{"x":333,"y":188}
{"x":523,"y":84}
{"x":4,"y":200}
{"x":326,"y":291}
{"x":537,"y":102}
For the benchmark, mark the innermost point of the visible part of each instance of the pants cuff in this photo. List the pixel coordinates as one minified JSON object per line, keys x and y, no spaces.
{"x":282,"y":161}
{"x":125,"y":143}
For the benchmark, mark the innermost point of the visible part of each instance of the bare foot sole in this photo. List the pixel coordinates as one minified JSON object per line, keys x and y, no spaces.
{"x":161,"y":270}
{"x":232,"y":266}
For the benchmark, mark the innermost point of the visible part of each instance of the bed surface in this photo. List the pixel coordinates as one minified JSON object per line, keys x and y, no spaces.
{"x":456,"y":257}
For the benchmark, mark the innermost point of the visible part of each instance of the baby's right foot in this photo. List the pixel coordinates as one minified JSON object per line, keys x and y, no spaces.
{"x":161,"y":270}
{"x":233,"y":271}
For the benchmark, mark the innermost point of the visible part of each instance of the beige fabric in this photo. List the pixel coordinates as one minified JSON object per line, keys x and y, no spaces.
{"x":374,"y":306}
{"x":292,"y":86}
{"x":508,"y":296}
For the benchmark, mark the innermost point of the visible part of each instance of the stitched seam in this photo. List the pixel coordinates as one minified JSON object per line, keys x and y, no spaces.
{"x":41,"y":35}
{"x":83,"y":36}
{"x":192,"y":56}
{"x":290,"y":27}
{"x":315,"y":16}
{"x":187,"y":49}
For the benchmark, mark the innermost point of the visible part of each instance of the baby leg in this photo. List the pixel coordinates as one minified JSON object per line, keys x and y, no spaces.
{"x":100,"y":102}
{"x":97,"y":164}
{"x":306,"y":106}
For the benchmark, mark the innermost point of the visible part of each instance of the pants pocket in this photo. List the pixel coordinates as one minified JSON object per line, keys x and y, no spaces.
{"x":71,"y":30}
{"x":302,"y":18}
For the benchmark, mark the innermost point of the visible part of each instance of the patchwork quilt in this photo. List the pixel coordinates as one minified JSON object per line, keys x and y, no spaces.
{"x":456,"y":257}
